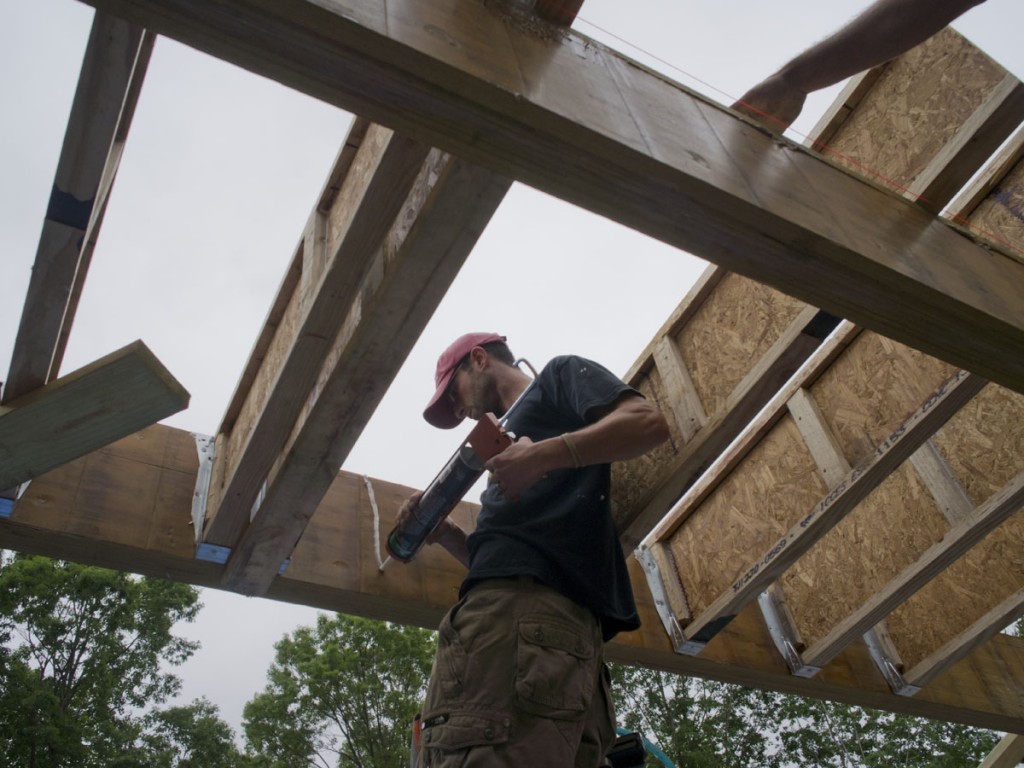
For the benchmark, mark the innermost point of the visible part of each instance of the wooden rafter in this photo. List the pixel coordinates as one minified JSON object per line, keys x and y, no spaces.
{"x":141,"y":524}
{"x":645,"y":488}
{"x":842,"y":499}
{"x":113,"y":69}
{"x":377,"y":271}
{"x":574,"y":118}
{"x":957,"y":541}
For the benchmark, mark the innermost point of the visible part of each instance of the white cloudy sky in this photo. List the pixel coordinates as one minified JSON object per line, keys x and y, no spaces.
{"x":218,"y":178}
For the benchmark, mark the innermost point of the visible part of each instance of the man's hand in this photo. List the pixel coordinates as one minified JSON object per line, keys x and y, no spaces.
{"x":517,"y":467}
{"x":447,"y":533}
{"x":774,"y":103}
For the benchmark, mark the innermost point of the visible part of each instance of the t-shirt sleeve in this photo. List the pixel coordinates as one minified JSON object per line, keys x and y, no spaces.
{"x":583,"y":385}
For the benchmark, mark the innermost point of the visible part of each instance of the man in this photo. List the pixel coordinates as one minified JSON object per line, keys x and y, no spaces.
{"x":882,"y":32}
{"x":519,"y":677}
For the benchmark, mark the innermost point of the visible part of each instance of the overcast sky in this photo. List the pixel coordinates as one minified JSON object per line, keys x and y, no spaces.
{"x":218,"y":178}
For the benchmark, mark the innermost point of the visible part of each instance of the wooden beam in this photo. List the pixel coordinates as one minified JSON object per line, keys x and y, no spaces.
{"x":959,"y":647}
{"x":113,"y":69}
{"x":79,"y":413}
{"x":431,"y":235}
{"x":981,"y":134}
{"x":1008,"y":753}
{"x":957,"y":541}
{"x":375,"y":170}
{"x":571,"y":117}
{"x":737,"y":379}
{"x":830,"y":510}
{"x":141,"y":524}
{"x":752,"y":433}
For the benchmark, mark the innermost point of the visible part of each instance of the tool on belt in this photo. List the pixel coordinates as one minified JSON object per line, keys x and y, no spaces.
{"x":486,"y":440}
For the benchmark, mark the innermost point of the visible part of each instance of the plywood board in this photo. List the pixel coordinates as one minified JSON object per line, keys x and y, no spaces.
{"x":331,"y":570}
{"x":79,"y":413}
{"x":918,"y":103}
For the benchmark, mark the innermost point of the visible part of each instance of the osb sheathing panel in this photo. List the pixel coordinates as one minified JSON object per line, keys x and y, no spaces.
{"x":915,"y":108}
{"x":1000,"y":216}
{"x":757,"y":503}
{"x":634,"y":480}
{"x":731,"y":331}
{"x":872,"y":389}
{"x":963,"y":593}
{"x":886,"y":532}
{"x":984,"y":446}
{"x":984,"y":442}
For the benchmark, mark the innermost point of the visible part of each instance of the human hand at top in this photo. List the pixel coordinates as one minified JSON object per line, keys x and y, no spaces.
{"x":518,"y":467}
{"x":774,"y":103}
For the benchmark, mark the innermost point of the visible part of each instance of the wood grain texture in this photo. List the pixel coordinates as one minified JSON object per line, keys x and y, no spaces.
{"x":633,"y":146}
{"x":79,"y":413}
{"x":141,"y":524}
{"x":446,"y":209}
{"x":338,"y":253}
{"x":115,"y":62}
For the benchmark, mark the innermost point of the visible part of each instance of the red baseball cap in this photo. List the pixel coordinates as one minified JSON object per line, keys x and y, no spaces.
{"x":439,"y":411}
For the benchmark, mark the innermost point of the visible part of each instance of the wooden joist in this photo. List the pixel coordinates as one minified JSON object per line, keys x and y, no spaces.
{"x":923,"y":123}
{"x":1009,"y":753}
{"x":142,"y":524}
{"x":573,"y":118}
{"x":839,"y":499}
{"x":113,"y":69}
{"x":374,"y":172}
{"x":81,"y":412}
{"x":933,"y":561}
{"x":379,"y":255}
{"x":990,"y":206}
{"x":724,"y":352}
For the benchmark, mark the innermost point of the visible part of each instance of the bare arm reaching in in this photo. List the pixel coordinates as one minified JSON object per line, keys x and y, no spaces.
{"x":882,"y":32}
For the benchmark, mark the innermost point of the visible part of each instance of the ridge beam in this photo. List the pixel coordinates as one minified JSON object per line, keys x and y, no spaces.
{"x":584,"y":123}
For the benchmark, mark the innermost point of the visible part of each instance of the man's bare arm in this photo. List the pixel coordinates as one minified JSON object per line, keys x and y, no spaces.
{"x":882,"y":32}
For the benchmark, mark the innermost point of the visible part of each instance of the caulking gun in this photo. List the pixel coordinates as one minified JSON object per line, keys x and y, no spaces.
{"x":486,"y":440}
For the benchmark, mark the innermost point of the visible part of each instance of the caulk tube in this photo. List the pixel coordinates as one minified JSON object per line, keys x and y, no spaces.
{"x":438,"y":500}
{"x":444,"y":492}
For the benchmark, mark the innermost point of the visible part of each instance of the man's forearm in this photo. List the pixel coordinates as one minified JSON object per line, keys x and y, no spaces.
{"x":882,"y":32}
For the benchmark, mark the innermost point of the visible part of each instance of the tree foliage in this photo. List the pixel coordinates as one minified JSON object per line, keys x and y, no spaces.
{"x":700,"y":723}
{"x":189,"y":737}
{"x":341,"y":693}
{"x":81,"y":655}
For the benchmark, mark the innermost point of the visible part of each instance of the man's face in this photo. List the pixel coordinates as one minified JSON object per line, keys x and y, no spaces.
{"x":472,"y":392}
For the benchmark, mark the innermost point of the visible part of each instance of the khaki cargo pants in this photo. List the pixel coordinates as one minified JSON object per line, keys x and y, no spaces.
{"x":519,"y":680}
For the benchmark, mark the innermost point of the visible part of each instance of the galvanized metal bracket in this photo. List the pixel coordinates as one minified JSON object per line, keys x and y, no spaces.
{"x":661,"y":603}
{"x":887,"y":660}
{"x":206,"y":450}
{"x":784,"y":633}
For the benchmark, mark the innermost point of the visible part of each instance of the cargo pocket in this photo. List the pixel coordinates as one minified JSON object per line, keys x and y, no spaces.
{"x":451,"y":661}
{"x":448,"y":737}
{"x":555,"y":672}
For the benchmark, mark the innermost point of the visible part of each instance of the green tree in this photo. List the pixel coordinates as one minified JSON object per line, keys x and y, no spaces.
{"x":342,"y":693}
{"x":701,"y":723}
{"x":189,"y":737}
{"x":697,"y":723}
{"x":81,"y":650}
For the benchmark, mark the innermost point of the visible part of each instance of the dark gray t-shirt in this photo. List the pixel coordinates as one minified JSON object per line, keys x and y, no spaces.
{"x":560,"y":531}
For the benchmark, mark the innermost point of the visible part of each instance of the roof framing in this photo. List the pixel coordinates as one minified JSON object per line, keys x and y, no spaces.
{"x":393,"y":225}
{"x":580,"y":121}
{"x":114,"y":66}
